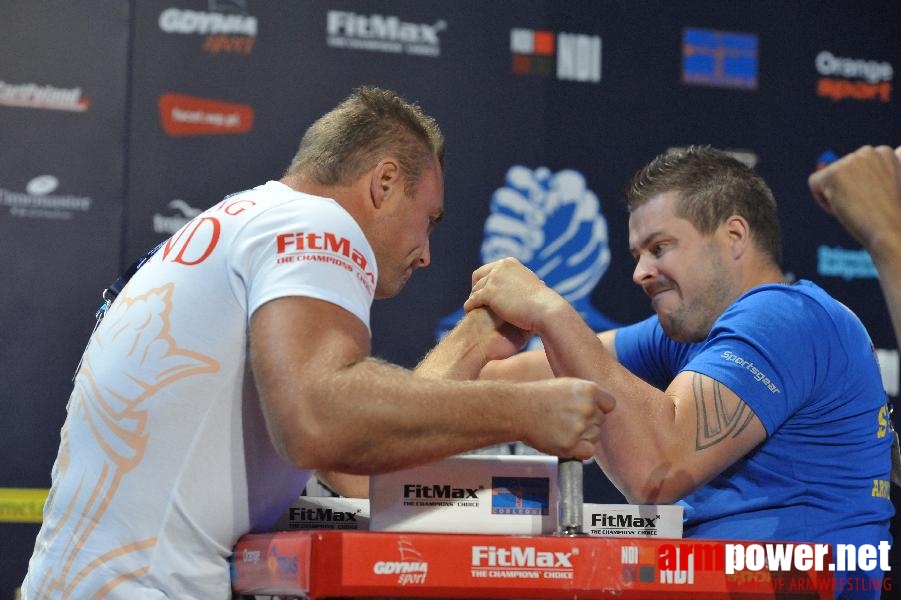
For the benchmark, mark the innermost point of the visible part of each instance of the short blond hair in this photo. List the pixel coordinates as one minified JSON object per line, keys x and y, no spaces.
{"x":369,"y":124}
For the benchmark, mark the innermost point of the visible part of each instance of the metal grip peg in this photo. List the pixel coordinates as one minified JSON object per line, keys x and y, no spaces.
{"x":569,"y":482}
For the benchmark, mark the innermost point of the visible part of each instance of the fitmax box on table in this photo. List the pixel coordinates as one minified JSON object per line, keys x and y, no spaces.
{"x":468,"y":494}
{"x":500,"y":494}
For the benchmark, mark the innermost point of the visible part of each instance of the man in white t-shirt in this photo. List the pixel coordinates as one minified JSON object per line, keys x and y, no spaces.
{"x":236,"y":361}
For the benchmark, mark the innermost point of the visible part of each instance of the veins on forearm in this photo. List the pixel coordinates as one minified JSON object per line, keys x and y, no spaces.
{"x":715,"y":420}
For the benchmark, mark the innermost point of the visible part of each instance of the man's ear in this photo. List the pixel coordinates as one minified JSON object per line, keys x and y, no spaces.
{"x":385,"y":179}
{"x":739,"y":233}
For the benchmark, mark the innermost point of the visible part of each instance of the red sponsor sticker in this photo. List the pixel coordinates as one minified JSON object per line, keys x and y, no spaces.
{"x":271,"y":562}
{"x":187,"y":115}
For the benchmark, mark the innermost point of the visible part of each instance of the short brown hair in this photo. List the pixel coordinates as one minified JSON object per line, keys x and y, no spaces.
{"x":711,"y":186}
{"x":368,"y":124}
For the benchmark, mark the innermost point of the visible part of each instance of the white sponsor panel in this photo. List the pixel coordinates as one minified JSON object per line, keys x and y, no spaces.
{"x":633,"y":520}
{"x":468,"y":494}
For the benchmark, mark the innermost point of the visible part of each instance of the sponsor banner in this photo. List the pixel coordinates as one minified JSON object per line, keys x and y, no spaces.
{"x":187,"y":115}
{"x":849,"y":78}
{"x":724,"y":59}
{"x":468,"y":494}
{"x":631,"y":520}
{"x":309,"y":512}
{"x":272,"y":564}
{"x":567,"y":56}
{"x":47,"y":97}
{"x":22,"y":505}
{"x":226,"y":28}
{"x":39,"y":201}
{"x":383,"y":33}
{"x":845,"y":263}
{"x":182,"y":215}
{"x":347,"y":564}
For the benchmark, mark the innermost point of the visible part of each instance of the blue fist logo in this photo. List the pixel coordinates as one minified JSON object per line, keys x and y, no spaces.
{"x":552,"y":223}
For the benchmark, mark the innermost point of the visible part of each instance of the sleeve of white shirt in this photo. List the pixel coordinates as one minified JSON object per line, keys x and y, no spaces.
{"x":307,"y":246}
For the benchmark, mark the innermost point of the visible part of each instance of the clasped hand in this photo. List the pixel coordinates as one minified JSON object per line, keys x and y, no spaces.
{"x":513,"y":293}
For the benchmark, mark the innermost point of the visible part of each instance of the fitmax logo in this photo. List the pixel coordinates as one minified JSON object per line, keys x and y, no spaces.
{"x":516,"y":556}
{"x":321,"y":514}
{"x":415,"y":490}
{"x":380,"y":33}
{"x":616,"y":520}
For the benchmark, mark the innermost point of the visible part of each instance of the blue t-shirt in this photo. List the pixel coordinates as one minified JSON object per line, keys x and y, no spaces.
{"x":805,"y":365}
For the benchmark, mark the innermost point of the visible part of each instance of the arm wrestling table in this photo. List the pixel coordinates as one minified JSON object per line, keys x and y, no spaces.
{"x":368,"y":564}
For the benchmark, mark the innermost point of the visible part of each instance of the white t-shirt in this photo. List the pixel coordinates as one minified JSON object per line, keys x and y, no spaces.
{"x":164,"y":458}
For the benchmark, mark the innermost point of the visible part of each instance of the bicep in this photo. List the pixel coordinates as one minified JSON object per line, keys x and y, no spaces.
{"x":717,"y":427}
{"x":296,"y":344}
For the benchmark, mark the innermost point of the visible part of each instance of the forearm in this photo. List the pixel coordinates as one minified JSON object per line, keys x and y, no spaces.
{"x":357,"y":424}
{"x":460,"y":355}
{"x":639,"y":441}
{"x":480,"y":337}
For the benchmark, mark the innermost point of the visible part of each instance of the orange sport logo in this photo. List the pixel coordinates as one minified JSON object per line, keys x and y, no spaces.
{"x":844,"y":78}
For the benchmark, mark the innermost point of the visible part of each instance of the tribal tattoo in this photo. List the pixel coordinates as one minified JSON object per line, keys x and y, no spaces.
{"x":716,"y":420}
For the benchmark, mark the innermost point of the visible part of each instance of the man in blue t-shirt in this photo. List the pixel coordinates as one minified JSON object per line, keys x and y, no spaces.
{"x":756,"y":404}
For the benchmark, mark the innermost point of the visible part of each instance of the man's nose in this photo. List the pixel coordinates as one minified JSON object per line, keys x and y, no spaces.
{"x":644,"y":270}
{"x":425,"y":259}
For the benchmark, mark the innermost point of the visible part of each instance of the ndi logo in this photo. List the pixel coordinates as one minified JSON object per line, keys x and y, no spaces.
{"x":520,"y":496}
{"x":578,"y":55}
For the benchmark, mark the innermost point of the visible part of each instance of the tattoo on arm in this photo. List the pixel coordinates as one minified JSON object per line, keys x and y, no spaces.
{"x":716,"y":421}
